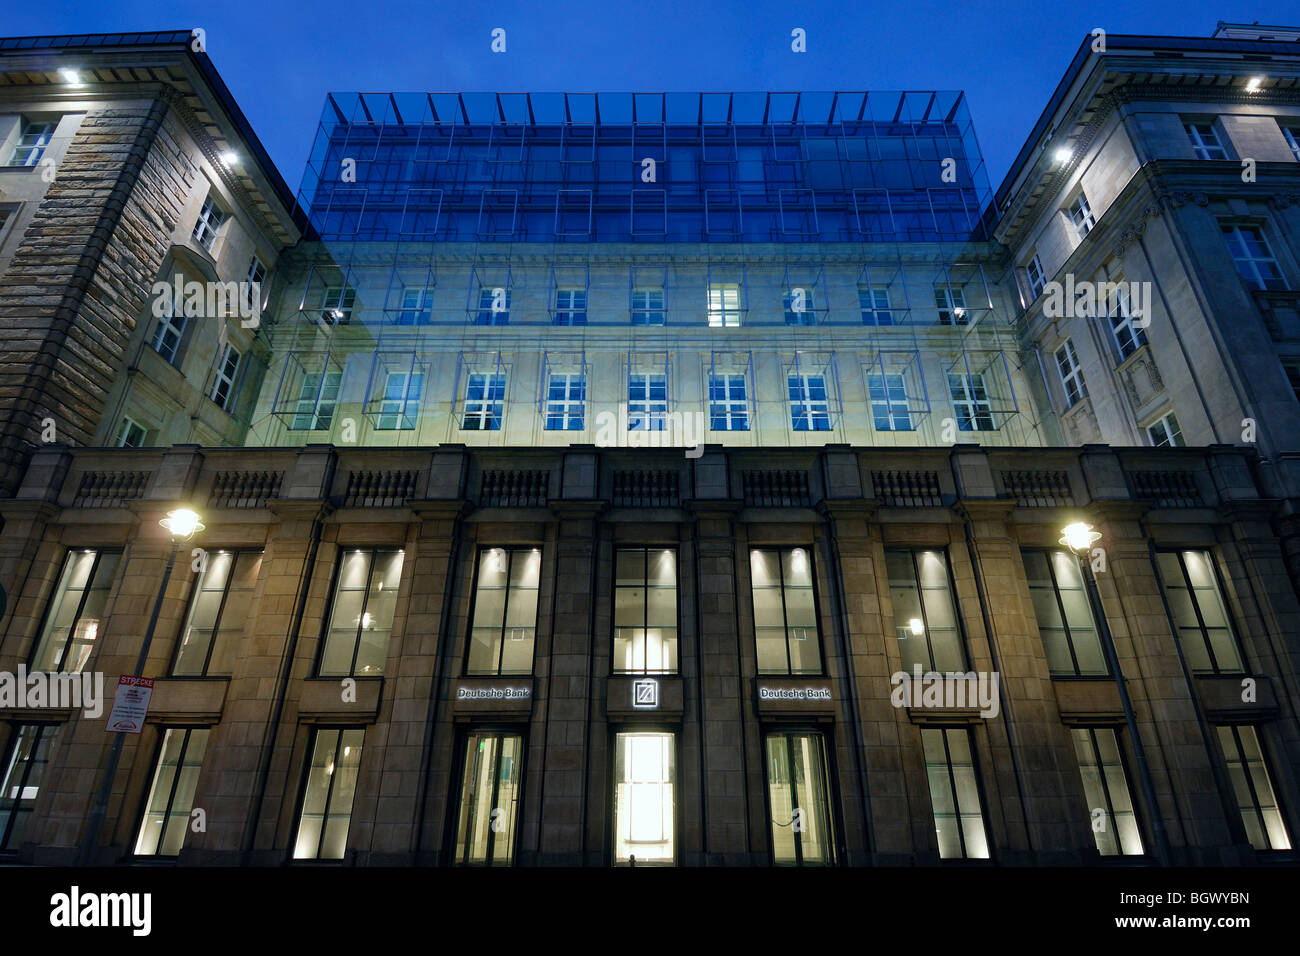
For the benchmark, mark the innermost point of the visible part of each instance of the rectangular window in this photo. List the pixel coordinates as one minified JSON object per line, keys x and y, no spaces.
{"x":171,"y":795}
{"x":724,"y":304}
{"x":647,"y":306}
{"x":644,"y":801}
{"x":417,"y":306}
{"x":223,"y":389}
{"x":571,"y":307}
{"x":166,"y":339}
{"x":786,"y":638}
{"x":33,"y":140}
{"x":1064,"y":615}
{"x":1081,"y":216}
{"x":131,"y":434}
{"x":505,"y":612}
{"x":799,"y":307}
{"x":874,"y":306}
{"x":1164,"y":431}
{"x":400,"y":405}
{"x":1253,"y":787}
{"x":485,"y":400}
{"x":1067,"y":364}
{"x":29,"y":755}
{"x":318,"y":396}
{"x":798,"y":797}
{"x":1205,"y":141}
{"x":211,"y":216}
{"x":1105,"y":787}
{"x":728,"y":404}
{"x":327,"y":794}
{"x":493,"y":306}
{"x":1129,"y":337}
{"x":809,"y":403}
{"x":951,"y":304}
{"x":647,"y":401}
{"x":489,"y":799}
{"x":566,"y":401}
{"x":1292,"y":370}
{"x":1200,"y":616}
{"x":361,"y":616}
{"x":645,"y":611}
{"x":76,"y":612}
{"x":1292,"y":136}
{"x":1037,"y":278}
{"x":256,"y":271}
{"x":970,"y":400}
{"x":925,"y":614}
{"x":954,"y":793}
{"x":218,"y":609}
{"x":336,"y":304}
{"x":1254,"y":257}
{"x":889,"y":409}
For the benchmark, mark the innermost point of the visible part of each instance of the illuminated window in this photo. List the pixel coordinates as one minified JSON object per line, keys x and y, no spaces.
{"x":76,"y":612}
{"x":925,"y":615}
{"x":1064,"y":615}
{"x":171,"y":795}
{"x":644,"y":801}
{"x":724,"y":304}
{"x":785,"y":614}
{"x":505,"y":612}
{"x":327,"y":794}
{"x":336,"y":304}
{"x":645,"y":611}
{"x":1200,"y":616}
{"x":951,"y":304}
{"x":954,"y":793}
{"x":1105,"y":787}
{"x":29,"y":755}
{"x":798,"y":797}
{"x":361,"y":615}
{"x":1253,"y":788}
{"x":489,"y":800}
{"x":218,"y":610}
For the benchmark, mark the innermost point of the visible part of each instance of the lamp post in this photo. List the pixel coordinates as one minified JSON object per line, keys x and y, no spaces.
{"x":1079,"y":538}
{"x":182,"y":524}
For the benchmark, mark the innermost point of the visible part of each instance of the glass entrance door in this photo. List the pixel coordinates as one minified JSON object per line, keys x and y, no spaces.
{"x":644,"y":811}
{"x":489,"y":800}
{"x":799,"y":800}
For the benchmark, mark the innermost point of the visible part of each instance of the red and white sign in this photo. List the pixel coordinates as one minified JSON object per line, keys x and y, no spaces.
{"x":130,"y":705}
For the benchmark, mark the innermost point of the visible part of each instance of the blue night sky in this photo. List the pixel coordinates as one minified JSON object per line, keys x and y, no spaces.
{"x":280,"y":60}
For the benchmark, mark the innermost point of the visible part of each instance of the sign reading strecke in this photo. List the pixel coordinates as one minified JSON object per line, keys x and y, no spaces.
{"x":130,"y":704}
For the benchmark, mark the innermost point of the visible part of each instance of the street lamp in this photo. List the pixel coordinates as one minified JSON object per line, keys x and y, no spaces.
{"x":1079,"y":539}
{"x":181,"y":524}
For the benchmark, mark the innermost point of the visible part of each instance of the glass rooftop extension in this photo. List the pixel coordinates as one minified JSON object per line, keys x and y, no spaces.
{"x":646,"y":167}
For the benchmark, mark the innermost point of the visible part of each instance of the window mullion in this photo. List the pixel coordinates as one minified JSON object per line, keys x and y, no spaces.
{"x":81,"y":607}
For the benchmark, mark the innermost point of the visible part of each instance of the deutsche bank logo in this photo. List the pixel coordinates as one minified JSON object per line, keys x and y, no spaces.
{"x":645,"y":693}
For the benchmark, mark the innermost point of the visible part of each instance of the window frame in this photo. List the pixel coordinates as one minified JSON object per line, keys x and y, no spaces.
{"x":959,"y":627}
{"x":1080,"y":215}
{"x":1251,"y":783}
{"x":1174,"y":432}
{"x":123,"y":431}
{"x":1248,"y":265}
{"x":510,"y":551}
{"x":226,"y":378}
{"x":489,"y":410}
{"x":815,"y":414}
{"x":647,"y":293}
{"x":1048,"y":554}
{"x":458,"y":808}
{"x":975,"y":415}
{"x":142,"y":816}
{"x":954,"y":792}
{"x":195,"y":592}
{"x":1212,"y":560}
{"x":559,"y":414}
{"x":327,"y":620}
{"x":1072,"y":381}
{"x":313,"y":740}
{"x":1036,"y":277}
{"x":790,"y":733}
{"x":55,"y":729}
{"x":781,"y":551}
{"x":723,"y":408}
{"x":1099,"y":766}
{"x":645,"y":414}
{"x":35,"y":151}
{"x":645,"y":626}
{"x":1204,"y":139}
{"x":207,"y":226}
{"x":874,"y":308}
{"x":62,"y":658}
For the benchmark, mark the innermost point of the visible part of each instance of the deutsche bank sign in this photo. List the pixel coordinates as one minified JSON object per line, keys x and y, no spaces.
{"x":645,"y":693}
